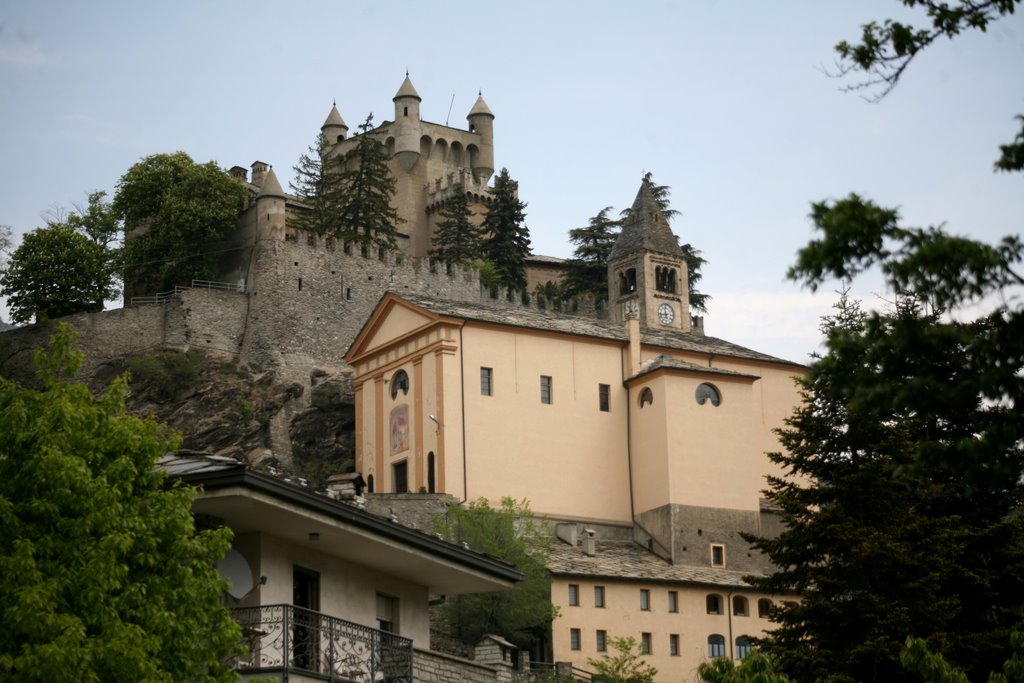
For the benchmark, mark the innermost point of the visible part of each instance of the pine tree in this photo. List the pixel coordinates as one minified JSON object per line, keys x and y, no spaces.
{"x":365,"y":210}
{"x":587,"y":272}
{"x":457,"y":240}
{"x":506,"y":241}
{"x":319,"y":184}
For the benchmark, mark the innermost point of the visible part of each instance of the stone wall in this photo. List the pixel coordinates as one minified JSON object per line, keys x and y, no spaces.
{"x":417,"y":510}
{"x":434,"y":667}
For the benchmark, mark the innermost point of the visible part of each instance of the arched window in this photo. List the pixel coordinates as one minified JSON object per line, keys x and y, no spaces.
{"x":743,"y":647}
{"x":716,"y":646}
{"x":708,"y":392}
{"x":399,"y":382}
{"x":714,"y":603}
{"x":740,"y":607}
{"x":665,"y":279}
{"x":369,"y":483}
{"x":431,"y":480}
{"x":764,"y":608}
{"x":646,"y":396}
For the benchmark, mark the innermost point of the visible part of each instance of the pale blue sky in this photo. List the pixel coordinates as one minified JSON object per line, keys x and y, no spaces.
{"x":725,"y":102}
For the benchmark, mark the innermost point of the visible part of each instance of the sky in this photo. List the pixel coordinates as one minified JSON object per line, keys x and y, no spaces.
{"x":731,"y":104}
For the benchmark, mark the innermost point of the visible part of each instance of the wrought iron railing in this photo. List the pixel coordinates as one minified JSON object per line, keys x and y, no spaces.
{"x":288,"y":638}
{"x":161,"y":297}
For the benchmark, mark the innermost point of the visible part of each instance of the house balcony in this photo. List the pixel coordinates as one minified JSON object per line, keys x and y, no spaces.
{"x":288,"y":643}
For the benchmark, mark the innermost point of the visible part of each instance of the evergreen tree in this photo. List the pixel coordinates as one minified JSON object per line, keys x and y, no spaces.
{"x":586,"y":272}
{"x":457,"y":240}
{"x":694,"y":261}
{"x":365,"y":211}
{"x":319,"y":184}
{"x":506,"y":242}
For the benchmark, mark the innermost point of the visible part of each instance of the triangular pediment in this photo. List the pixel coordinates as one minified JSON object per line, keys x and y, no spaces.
{"x":392,"y":320}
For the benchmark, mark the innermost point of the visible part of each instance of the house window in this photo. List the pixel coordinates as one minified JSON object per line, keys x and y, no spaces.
{"x":400,"y":477}
{"x":574,"y":595}
{"x":646,"y":396}
{"x":645,"y":643}
{"x":716,"y":646}
{"x":743,"y":648}
{"x":545,"y":389}
{"x":387,"y":613}
{"x":673,"y":644}
{"x":602,"y":640}
{"x":717,"y":555}
{"x":486,"y":381}
{"x":602,"y":397}
{"x":764,"y":608}
{"x":431,"y":475}
{"x":574,"y":639}
{"x":714,"y":603}
{"x":707,"y":392}
{"x":673,"y":601}
{"x":740,"y":608}
{"x":645,"y":599}
{"x":369,"y":483}
{"x":598,"y":596}
{"x":399,"y":382}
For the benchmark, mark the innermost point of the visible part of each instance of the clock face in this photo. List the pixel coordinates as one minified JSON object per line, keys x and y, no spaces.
{"x":666,"y":314}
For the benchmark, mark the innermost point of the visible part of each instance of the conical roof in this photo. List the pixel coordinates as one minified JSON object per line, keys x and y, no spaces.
{"x":271,"y":186}
{"x":646,"y":229}
{"x":334,"y":119}
{"x":407,"y":90}
{"x":480,"y":108}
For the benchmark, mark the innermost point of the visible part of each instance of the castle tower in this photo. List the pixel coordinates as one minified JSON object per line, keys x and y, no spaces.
{"x":334,"y":129}
{"x":407,"y":125}
{"x":270,"y":208}
{"x":647,"y":269}
{"x":481,"y":121}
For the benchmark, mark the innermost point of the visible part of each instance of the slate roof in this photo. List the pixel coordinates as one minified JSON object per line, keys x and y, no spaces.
{"x":666,"y":361}
{"x":646,"y":230}
{"x":540,"y":258}
{"x":553,"y":321}
{"x":480,"y":107}
{"x":334,"y":118}
{"x":407,"y":90}
{"x":626,"y":560}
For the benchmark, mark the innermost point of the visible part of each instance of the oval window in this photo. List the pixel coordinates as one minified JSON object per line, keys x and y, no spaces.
{"x":708,"y":392}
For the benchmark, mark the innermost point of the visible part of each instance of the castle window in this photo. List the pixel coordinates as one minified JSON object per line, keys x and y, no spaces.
{"x":714,"y":603}
{"x":574,"y":639}
{"x":574,"y":595}
{"x":602,"y":396}
{"x":673,"y":601}
{"x":347,"y":248}
{"x":740,"y":607}
{"x":717,"y":555}
{"x":645,"y":643}
{"x":708,"y":392}
{"x":405,"y":111}
{"x":645,"y":600}
{"x":300,"y":284}
{"x":665,"y":279}
{"x":364,"y":251}
{"x":627,"y":281}
{"x":673,"y":644}
{"x":486,"y":382}
{"x":743,"y":648}
{"x":764,"y":607}
{"x":602,"y":640}
{"x":716,"y":646}
{"x":348,"y":293}
{"x":399,"y":382}
{"x":431,"y":476}
{"x":646,"y":397}
{"x":598,"y":596}
{"x":400,"y":477}
{"x":545,"y":389}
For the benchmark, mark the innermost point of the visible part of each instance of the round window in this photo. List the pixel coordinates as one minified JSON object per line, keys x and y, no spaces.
{"x":708,"y":392}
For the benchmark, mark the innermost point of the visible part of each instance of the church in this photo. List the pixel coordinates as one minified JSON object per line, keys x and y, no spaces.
{"x":639,"y":437}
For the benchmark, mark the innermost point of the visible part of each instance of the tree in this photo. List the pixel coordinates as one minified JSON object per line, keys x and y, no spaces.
{"x":625,"y":666}
{"x":103,"y":576}
{"x":509,"y":533}
{"x":586,"y":273}
{"x":457,"y":240}
{"x":506,"y":242}
{"x":365,"y":211}
{"x":755,"y":668}
{"x":176,"y":213}
{"x":694,"y":261}
{"x":319,"y":184}
{"x":55,"y":272}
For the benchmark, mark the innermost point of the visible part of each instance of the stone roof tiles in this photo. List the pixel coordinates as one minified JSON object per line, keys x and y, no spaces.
{"x":480,"y":107}
{"x":334,"y":119}
{"x":646,"y":229}
{"x":271,"y":186}
{"x":407,"y":90}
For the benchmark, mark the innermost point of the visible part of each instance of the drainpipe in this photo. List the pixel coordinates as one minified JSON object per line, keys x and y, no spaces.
{"x":728,"y":607}
{"x":462,"y":394}
{"x":629,"y":441}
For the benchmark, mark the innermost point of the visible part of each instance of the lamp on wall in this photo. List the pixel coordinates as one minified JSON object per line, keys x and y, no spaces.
{"x":435,"y":421}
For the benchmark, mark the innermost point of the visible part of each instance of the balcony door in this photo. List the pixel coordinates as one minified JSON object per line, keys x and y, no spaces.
{"x":306,"y":631}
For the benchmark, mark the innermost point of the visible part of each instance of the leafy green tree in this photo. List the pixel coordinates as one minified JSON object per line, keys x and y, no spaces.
{"x":918,"y":658}
{"x":509,"y":533}
{"x":625,"y":666}
{"x":755,"y":668}
{"x":457,"y":240}
{"x":103,"y":576}
{"x":319,"y":184}
{"x":365,"y":212}
{"x":586,"y":273}
{"x":55,"y":272}
{"x":694,"y":261}
{"x":176,"y":213}
{"x":506,"y":242}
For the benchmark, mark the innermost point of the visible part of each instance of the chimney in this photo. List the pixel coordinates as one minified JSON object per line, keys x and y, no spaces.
{"x":259,"y":172}
{"x":633,"y":331}
{"x":240,"y":173}
{"x":589,"y":542}
{"x":345,"y":487}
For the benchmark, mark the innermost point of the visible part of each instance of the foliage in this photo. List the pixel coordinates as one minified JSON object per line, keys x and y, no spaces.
{"x":918,"y":658}
{"x":318,"y":183}
{"x":103,"y":576}
{"x":586,"y":273}
{"x":55,"y":272}
{"x":509,"y":533}
{"x":365,"y":212}
{"x":755,"y":668}
{"x":694,"y":261}
{"x":168,"y":374}
{"x":552,"y":291}
{"x":506,"y":242}
{"x":457,"y":240}
{"x":175,"y":212}
{"x":625,"y":666}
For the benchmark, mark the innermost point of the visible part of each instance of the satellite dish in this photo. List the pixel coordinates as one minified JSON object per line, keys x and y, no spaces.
{"x":236,"y":570}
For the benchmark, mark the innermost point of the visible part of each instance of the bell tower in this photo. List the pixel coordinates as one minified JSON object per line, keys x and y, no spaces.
{"x":647,"y":269}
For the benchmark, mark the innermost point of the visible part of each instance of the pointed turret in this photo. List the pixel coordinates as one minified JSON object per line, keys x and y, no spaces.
{"x":334,"y":129}
{"x":271,"y":186}
{"x":407,"y":124}
{"x":270,"y":208}
{"x":481,"y":122}
{"x":646,"y":228}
